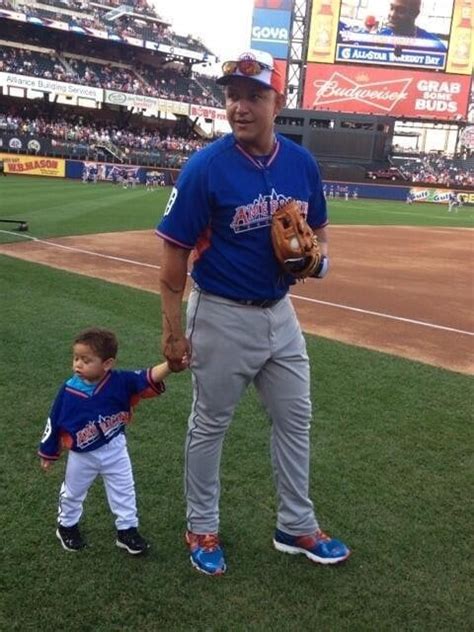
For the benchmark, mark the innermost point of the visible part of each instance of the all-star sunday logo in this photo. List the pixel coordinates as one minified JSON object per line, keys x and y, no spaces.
{"x":383,"y":95}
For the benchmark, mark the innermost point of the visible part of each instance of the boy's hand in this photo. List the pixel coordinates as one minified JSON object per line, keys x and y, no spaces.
{"x":46,"y":464}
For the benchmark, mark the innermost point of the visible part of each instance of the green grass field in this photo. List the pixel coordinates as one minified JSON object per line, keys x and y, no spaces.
{"x":60,"y":207}
{"x":391,"y":468}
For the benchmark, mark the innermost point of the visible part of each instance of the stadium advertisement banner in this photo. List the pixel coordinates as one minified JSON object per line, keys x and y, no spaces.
{"x":12,"y":15}
{"x":34,"y":165}
{"x":372,"y":32}
{"x":386,"y":91}
{"x":19,"y":142}
{"x":130,"y":100}
{"x":461,"y":46}
{"x":271,"y":32}
{"x":214,"y":114}
{"x":356,"y":190}
{"x":10,"y":80}
{"x":142,"y":102}
{"x":323,"y":31}
{"x":173,"y":107}
{"x":439,"y":196}
{"x":22,"y":17}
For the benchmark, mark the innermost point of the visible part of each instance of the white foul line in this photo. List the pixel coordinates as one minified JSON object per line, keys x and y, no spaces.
{"x":422,"y":323}
{"x":411,"y":321}
{"x":85,"y":252}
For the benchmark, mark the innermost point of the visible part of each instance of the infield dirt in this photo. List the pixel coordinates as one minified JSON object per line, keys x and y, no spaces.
{"x":407,"y":291}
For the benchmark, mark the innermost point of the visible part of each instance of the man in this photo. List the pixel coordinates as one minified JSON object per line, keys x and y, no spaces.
{"x":401,"y":22}
{"x":241,"y":326}
{"x":453,"y":202}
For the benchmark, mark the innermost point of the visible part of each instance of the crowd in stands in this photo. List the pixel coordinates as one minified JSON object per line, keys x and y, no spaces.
{"x":65,"y":62}
{"x":437,"y":168}
{"x":143,"y":23}
{"x":142,"y":145}
{"x":164,"y":83}
{"x":138,"y":144}
{"x":139,"y":6}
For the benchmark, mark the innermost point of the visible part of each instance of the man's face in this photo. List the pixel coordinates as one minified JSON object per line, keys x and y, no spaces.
{"x":251,"y":110}
{"x":402,"y":15}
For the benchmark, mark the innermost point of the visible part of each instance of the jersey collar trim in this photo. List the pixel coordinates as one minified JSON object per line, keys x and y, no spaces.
{"x":254,"y":161}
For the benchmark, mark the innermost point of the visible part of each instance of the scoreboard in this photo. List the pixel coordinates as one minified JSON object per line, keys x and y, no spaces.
{"x":358,"y":58}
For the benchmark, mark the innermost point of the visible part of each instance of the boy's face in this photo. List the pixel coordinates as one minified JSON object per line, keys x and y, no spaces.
{"x":88,"y":365}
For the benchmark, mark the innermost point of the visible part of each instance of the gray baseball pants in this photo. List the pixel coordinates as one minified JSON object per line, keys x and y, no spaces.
{"x":232,"y":346}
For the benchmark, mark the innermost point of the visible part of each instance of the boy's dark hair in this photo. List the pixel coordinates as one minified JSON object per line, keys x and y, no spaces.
{"x":102,"y":341}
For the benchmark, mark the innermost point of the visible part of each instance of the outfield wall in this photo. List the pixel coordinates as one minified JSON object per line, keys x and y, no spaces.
{"x":437,"y":195}
{"x":111,"y":172}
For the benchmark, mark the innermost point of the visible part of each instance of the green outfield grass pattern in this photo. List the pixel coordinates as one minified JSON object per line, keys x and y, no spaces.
{"x":56,"y":208}
{"x":391,"y":464}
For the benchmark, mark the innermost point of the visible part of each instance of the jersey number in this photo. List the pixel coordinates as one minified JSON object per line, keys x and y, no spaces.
{"x":171,"y":201}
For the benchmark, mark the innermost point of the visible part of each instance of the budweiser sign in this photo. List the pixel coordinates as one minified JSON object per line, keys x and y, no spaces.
{"x":382,"y":95}
{"x":385,"y":91}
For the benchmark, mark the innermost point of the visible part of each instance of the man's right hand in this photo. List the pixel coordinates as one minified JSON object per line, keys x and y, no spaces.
{"x":177,"y":352}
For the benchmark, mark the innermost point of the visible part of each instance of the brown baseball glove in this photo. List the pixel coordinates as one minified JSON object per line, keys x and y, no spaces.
{"x":294,"y":244}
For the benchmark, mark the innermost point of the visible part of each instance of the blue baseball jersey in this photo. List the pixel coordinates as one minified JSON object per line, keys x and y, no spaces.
{"x":222,"y":207}
{"x":83,"y":422}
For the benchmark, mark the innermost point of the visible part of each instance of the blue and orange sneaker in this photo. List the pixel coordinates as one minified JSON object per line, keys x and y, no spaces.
{"x":317,"y":546}
{"x":207,"y":555}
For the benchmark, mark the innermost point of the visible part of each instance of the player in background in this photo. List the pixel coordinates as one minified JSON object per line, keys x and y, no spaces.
{"x":355,"y":194}
{"x":149,"y":181}
{"x":94,"y":174}
{"x":124,"y":179}
{"x":101,"y":172}
{"x":410,"y":197}
{"x":130,"y":179}
{"x":453,"y":202}
{"x":88,"y":417}
{"x":241,"y":325}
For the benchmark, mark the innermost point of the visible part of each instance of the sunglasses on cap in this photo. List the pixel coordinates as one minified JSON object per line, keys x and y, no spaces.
{"x":246,"y":67}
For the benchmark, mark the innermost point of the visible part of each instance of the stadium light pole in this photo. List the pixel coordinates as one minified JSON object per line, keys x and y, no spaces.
{"x":298,"y":52}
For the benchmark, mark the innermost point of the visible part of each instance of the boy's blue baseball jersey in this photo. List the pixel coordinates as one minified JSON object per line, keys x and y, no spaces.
{"x":83,"y":422}
{"x":222,"y":206}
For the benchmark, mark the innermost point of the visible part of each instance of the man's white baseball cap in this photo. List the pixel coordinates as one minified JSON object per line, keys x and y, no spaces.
{"x":256,"y":65}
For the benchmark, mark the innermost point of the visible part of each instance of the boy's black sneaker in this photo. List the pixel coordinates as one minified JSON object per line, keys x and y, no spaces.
{"x":131,"y":541}
{"x":70,"y":538}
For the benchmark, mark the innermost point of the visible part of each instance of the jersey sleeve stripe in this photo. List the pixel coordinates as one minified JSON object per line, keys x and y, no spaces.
{"x":173,"y":241}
